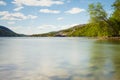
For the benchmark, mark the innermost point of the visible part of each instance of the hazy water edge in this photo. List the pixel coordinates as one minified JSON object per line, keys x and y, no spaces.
{"x":59,"y":59}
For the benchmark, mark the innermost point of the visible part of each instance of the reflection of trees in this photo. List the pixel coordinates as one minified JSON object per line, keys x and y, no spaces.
{"x":105,"y":53}
{"x":97,"y":61}
{"x":116,"y":62}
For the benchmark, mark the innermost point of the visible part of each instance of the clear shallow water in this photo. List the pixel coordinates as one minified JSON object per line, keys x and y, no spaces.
{"x":59,"y":59}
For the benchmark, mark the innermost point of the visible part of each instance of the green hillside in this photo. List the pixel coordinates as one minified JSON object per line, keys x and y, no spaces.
{"x":88,"y":30}
{"x":100,"y":24}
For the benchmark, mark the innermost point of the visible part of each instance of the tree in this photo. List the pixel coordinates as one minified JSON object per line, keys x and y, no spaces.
{"x":97,"y":16}
{"x":115,"y":18}
{"x":97,"y":13}
{"x":116,"y":13}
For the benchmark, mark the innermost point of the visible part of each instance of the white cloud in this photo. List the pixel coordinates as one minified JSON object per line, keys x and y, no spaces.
{"x":45,"y":26}
{"x":34,"y":30}
{"x":75,"y":11}
{"x":60,"y":18}
{"x":49,"y":11}
{"x":3,"y":3}
{"x":37,"y":2}
{"x":31,"y":17}
{"x":11,"y":22}
{"x":18,"y":8}
{"x":5,"y":15}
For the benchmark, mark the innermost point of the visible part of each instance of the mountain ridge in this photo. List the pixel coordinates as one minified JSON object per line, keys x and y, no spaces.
{"x":60,"y":33}
{"x":6,"y":32}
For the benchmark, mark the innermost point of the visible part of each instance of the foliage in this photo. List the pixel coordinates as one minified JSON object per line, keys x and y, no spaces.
{"x":115,"y":18}
{"x":116,"y":13}
{"x":97,"y":13}
{"x":93,"y":30}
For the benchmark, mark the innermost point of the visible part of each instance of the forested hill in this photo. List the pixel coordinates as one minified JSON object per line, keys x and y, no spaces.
{"x":100,"y":24}
{"x":100,"y":29}
{"x":62,"y":33}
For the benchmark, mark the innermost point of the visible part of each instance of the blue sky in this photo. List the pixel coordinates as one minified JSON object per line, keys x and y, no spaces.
{"x":41,"y":16}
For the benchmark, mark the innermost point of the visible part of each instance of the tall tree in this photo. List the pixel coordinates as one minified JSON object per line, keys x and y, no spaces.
{"x":97,"y":13}
{"x":116,"y":13}
{"x":115,"y":18}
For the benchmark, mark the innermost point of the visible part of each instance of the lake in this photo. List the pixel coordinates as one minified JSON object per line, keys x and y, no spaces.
{"x":59,"y":59}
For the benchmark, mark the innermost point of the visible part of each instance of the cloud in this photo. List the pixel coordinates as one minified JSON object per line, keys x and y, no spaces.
{"x":34,"y":29}
{"x":2,"y":3}
{"x":49,"y":11}
{"x":11,"y":22}
{"x":60,"y":18}
{"x":75,"y":11}
{"x":5,"y":15}
{"x":47,"y":3}
{"x":44,"y":28}
{"x":31,"y":17}
{"x":18,"y":8}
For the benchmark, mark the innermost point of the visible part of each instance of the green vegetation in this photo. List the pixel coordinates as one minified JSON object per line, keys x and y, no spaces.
{"x":97,"y":13}
{"x":92,"y":30}
{"x":100,"y":25}
{"x":115,"y":18}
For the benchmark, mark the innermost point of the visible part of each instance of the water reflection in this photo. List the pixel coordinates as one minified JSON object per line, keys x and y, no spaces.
{"x":105,"y":60}
{"x":59,"y":59}
{"x":116,"y":61}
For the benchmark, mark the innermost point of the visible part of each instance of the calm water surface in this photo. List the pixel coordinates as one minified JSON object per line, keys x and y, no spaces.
{"x":59,"y":59}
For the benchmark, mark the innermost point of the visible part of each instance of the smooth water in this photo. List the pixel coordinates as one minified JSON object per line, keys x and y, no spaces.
{"x":59,"y":59}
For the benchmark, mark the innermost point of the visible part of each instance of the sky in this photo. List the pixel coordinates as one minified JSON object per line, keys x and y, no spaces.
{"x":41,"y":16}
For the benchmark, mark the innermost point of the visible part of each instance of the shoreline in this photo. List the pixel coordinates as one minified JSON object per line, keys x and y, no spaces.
{"x":99,"y":38}
{"x":109,"y":38}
